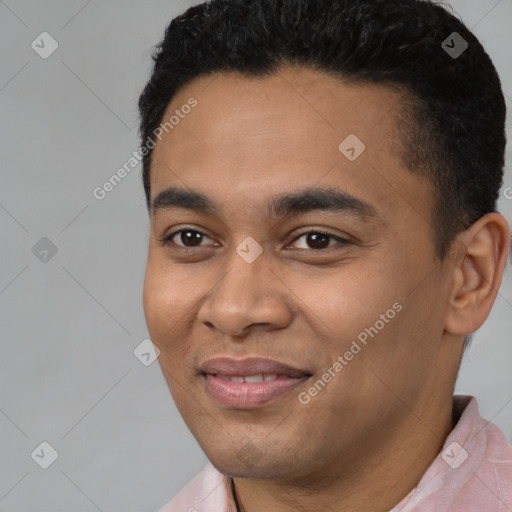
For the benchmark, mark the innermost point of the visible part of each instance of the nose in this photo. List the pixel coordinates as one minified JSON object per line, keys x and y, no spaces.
{"x":247,"y":295}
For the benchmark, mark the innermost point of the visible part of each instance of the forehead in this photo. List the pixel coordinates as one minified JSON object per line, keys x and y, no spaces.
{"x":253,"y":136}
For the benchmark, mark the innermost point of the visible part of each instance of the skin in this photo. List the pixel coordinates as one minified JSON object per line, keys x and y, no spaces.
{"x":363,"y":442}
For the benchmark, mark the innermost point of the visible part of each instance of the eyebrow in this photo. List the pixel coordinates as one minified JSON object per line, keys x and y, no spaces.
{"x":282,"y":205}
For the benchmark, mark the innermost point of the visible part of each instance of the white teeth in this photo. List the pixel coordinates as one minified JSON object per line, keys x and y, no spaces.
{"x":254,"y":378}
{"x":249,"y":378}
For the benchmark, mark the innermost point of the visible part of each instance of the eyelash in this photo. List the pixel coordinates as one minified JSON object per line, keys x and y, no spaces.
{"x":167,"y":239}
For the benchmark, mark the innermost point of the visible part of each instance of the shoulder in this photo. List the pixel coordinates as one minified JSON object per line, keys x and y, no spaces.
{"x":495,"y":470}
{"x":472,"y":472}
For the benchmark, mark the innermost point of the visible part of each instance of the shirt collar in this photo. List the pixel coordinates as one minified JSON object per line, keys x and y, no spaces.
{"x":463,"y":439}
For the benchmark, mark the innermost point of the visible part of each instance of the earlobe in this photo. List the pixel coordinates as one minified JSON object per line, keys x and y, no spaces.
{"x":479,"y":260}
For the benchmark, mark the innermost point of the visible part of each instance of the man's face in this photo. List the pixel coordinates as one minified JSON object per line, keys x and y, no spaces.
{"x":265,"y":292}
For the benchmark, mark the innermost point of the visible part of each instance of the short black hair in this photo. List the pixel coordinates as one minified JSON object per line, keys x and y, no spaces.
{"x":451,"y":122}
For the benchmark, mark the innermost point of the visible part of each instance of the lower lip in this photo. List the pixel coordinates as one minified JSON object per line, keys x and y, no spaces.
{"x":248,"y":395}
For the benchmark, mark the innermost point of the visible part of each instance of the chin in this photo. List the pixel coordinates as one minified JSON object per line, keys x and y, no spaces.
{"x":248,"y":460}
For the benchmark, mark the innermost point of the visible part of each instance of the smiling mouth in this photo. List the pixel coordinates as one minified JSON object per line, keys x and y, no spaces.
{"x":249,"y":383}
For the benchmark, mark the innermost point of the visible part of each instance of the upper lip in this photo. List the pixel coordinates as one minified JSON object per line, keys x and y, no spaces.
{"x":249,"y":366}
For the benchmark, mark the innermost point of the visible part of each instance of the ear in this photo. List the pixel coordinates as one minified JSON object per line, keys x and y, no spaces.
{"x":479,"y":256}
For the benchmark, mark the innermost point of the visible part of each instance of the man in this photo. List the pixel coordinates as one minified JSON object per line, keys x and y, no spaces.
{"x":322,"y":177}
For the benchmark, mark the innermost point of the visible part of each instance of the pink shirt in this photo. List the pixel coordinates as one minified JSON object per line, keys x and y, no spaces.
{"x":472,"y":473}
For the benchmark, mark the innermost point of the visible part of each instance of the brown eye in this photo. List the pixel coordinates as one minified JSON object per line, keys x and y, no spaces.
{"x":317,"y":240}
{"x":188,"y":238}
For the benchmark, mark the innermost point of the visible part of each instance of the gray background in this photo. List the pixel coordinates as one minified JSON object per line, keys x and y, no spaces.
{"x":68,"y":375}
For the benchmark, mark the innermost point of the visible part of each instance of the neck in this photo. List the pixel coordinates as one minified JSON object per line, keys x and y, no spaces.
{"x":378,"y":477}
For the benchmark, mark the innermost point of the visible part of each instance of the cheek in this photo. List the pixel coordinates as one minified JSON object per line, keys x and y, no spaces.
{"x":164,"y":307}
{"x":153,"y":295}
{"x":347,"y":300}
{"x":403,"y":355}
{"x":164,"y":320}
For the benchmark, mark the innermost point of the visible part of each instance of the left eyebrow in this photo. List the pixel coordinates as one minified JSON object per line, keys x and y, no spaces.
{"x":323,"y":199}
{"x":298,"y":202}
